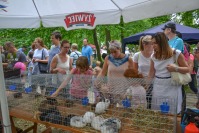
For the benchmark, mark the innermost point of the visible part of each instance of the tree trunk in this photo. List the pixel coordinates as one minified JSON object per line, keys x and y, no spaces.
{"x":122,"y":32}
{"x":97,"y":45}
{"x":108,"y":38}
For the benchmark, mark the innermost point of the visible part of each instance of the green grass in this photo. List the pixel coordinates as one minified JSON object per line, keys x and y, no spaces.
{"x":187,"y":89}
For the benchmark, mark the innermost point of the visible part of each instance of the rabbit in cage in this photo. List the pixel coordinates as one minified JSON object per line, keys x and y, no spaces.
{"x":136,"y":91}
{"x":88,"y":116}
{"x":110,"y":125}
{"x":102,"y":106}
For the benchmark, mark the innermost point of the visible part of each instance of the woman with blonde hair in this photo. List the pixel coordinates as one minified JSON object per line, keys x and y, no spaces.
{"x":141,"y":61}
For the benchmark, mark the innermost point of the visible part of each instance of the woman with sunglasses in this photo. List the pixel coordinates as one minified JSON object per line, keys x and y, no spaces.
{"x":61,"y":63}
{"x":141,"y":61}
{"x":162,"y":64}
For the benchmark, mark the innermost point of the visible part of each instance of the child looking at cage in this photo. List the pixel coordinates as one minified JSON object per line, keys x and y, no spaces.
{"x":81,"y":79}
{"x":136,"y":93}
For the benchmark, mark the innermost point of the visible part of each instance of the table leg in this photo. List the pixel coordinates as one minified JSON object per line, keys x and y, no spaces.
{"x":14,"y":130}
{"x":35,"y":128}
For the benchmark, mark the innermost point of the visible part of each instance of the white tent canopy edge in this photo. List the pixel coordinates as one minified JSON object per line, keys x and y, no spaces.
{"x":87,"y":14}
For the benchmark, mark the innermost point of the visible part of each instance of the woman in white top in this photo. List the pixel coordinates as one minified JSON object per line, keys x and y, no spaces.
{"x":61,"y":63}
{"x":141,"y":62}
{"x":141,"y":59}
{"x":162,"y":64}
{"x":37,"y":56}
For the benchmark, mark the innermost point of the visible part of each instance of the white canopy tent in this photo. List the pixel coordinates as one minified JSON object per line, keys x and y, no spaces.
{"x":133,"y":10}
{"x":74,"y":14}
{"x":18,"y":14}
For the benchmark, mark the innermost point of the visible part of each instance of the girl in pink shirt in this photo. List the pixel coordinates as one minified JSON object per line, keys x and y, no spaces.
{"x":81,"y":79}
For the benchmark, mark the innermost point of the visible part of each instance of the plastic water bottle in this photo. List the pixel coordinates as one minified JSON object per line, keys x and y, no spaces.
{"x":91,"y":95}
{"x":54,"y":79}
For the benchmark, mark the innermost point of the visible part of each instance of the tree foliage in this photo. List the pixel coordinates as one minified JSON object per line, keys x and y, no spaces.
{"x":104,"y":33}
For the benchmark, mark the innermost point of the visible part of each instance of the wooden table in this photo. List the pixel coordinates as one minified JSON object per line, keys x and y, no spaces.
{"x":20,"y":112}
{"x":14,"y":112}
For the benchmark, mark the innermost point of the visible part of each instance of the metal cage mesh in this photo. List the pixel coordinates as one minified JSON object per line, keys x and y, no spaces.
{"x":110,"y":105}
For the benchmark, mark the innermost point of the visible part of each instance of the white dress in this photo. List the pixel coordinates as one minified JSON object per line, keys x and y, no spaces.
{"x":163,"y":90}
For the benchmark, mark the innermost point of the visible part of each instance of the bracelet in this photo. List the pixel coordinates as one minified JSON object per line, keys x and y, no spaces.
{"x":176,"y":69}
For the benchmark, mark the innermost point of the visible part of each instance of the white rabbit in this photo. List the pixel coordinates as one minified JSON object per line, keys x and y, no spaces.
{"x":100,"y":107}
{"x":77,"y":121}
{"x":111,"y":125}
{"x":107,"y":103}
{"x":97,"y":122}
{"x":88,"y":116}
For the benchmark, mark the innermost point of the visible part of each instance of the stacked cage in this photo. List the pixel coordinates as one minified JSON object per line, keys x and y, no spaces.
{"x":190,"y":116}
{"x":88,"y":104}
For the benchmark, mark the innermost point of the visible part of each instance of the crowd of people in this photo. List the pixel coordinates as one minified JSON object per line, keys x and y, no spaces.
{"x":155,"y":59}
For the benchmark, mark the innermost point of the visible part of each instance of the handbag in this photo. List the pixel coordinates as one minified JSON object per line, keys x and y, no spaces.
{"x":43,"y":67}
{"x":179,"y":78}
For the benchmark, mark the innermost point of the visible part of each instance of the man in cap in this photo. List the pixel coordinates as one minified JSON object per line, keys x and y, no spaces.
{"x":174,"y":41}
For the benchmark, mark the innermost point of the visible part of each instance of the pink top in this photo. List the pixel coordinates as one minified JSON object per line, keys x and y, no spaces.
{"x":192,"y":58}
{"x":80,"y":83}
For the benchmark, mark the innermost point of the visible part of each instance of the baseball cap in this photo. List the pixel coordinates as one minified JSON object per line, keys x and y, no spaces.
{"x":169,"y":25}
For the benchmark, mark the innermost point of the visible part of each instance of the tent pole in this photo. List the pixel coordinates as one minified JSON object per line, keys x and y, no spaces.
{"x":4,"y":104}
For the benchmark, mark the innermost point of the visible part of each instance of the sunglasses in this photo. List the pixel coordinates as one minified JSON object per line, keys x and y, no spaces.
{"x":146,"y":43}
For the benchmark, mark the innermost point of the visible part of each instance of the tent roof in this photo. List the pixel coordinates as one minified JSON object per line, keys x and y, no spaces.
{"x":54,"y":12}
{"x":18,"y":14}
{"x":133,"y":10}
{"x":75,"y":14}
{"x":189,"y":34}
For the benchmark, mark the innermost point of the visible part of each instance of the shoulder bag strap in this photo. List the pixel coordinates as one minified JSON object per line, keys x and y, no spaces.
{"x":77,"y":54}
{"x":42,"y":54}
{"x":174,"y":56}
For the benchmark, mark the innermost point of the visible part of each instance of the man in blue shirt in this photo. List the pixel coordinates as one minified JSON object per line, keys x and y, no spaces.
{"x":87,"y":51}
{"x":22,"y":49}
{"x":55,"y":48}
{"x":174,"y":41}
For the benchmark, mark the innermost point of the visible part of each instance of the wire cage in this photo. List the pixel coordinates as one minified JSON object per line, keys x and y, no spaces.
{"x":89,"y":104}
{"x":190,"y":113}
